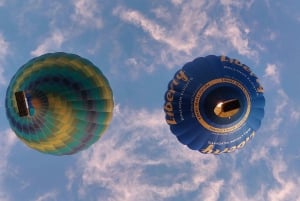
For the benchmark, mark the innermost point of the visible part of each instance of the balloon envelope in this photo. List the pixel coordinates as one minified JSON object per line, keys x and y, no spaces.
{"x":59,"y":103}
{"x":214,"y":104}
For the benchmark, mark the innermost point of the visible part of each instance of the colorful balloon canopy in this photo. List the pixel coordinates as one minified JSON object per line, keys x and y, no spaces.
{"x":59,"y":103}
{"x":214,"y":104}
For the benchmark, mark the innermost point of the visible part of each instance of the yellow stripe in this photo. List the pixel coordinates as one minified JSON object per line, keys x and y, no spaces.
{"x":65,"y":126}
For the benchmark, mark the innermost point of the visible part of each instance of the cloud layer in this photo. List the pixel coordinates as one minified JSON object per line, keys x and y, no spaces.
{"x":192,"y":29}
{"x":141,"y":160}
{"x":138,"y":158}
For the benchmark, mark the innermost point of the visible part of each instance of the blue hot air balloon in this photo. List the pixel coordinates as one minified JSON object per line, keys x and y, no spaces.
{"x":214,"y":104}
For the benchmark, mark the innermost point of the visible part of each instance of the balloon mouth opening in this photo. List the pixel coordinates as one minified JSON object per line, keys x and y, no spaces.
{"x":227,"y":109}
{"x":28,"y":102}
{"x":23,"y":103}
{"x":223,"y":106}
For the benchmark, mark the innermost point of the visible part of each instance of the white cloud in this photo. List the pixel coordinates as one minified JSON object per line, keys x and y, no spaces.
{"x":211,"y":192}
{"x":271,"y":72}
{"x":230,"y":29}
{"x":138,"y":152}
{"x":295,"y":114}
{"x":274,"y":153}
{"x":284,"y":110}
{"x":4,"y":51}
{"x":231,"y":2}
{"x":176,"y":2}
{"x":286,"y":191}
{"x":87,"y":13}
{"x":191,"y":29}
{"x":287,"y":188}
{"x":140,"y":160}
{"x":49,"y":196}
{"x":176,"y":38}
{"x":2,"y":78}
{"x":162,"y":13}
{"x":135,"y":65}
{"x":278,"y":181}
{"x":4,"y":46}
{"x":272,"y":36}
{"x":52,"y":43}
{"x":157,"y":32}
{"x":7,"y":141}
{"x":282,"y":103}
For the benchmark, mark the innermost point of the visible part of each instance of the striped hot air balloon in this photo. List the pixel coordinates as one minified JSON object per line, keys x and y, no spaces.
{"x":214,"y":104}
{"x":59,"y":103}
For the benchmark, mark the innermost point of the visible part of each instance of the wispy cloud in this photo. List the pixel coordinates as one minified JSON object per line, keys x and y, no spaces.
{"x":4,"y":46}
{"x":176,"y":2}
{"x":51,"y":43}
{"x":156,"y":31}
{"x":272,"y":73}
{"x":48,"y":196}
{"x":7,"y":142}
{"x":283,"y":108}
{"x":212,"y":191}
{"x":295,"y":114}
{"x":287,"y":182}
{"x":87,"y":13}
{"x":2,"y":2}
{"x":140,"y":153}
{"x":229,"y":28}
{"x":191,"y":29}
{"x":4,"y":51}
{"x":63,"y":27}
{"x":140,"y":160}
{"x":274,"y":150}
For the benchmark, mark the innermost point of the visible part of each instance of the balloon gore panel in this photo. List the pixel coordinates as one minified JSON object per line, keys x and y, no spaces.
{"x":59,"y":103}
{"x":214,"y":104}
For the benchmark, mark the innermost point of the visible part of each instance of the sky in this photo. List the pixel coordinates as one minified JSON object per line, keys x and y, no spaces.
{"x":139,"y":45}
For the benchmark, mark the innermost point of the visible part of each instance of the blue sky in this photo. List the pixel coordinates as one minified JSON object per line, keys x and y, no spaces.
{"x":139,"y":45}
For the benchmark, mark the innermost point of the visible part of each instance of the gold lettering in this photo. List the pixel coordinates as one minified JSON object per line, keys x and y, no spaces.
{"x":252,"y":134}
{"x":171,"y":121}
{"x":224,"y":58}
{"x":231,"y":149}
{"x":225,"y":150}
{"x":182,"y":76}
{"x":208,"y":149}
{"x":241,"y":145}
{"x":170,"y":95}
{"x":168,"y":107}
{"x":246,"y":68}
{"x":259,"y":89}
{"x":173,"y":83}
{"x":237,"y":62}
{"x":217,"y":151}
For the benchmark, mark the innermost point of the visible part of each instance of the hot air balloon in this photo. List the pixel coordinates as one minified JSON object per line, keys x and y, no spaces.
{"x":214,"y":104}
{"x":59,"y":103}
